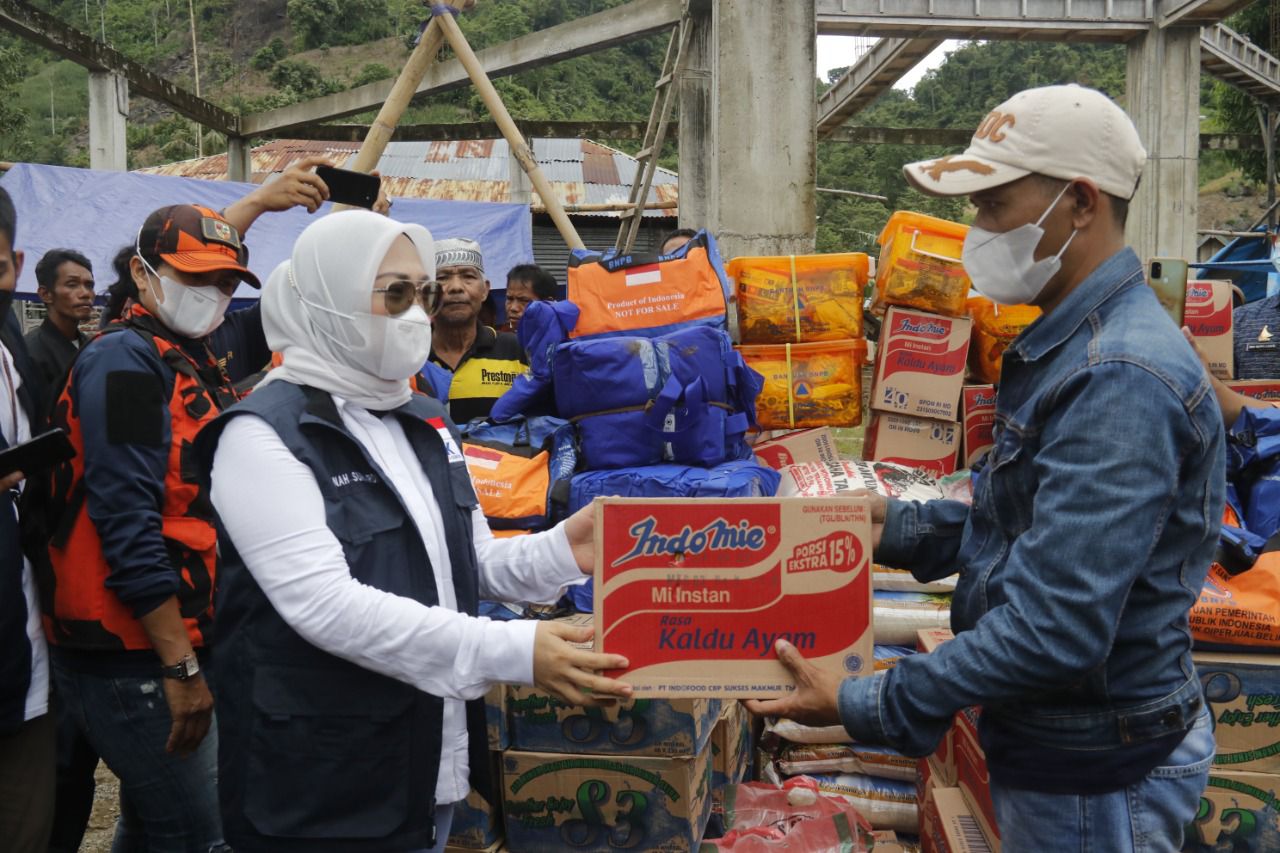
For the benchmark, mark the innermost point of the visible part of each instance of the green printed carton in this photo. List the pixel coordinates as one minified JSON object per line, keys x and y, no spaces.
{"x":553,"y":802}
{"x":1238,"y":812}
{"x":540,"y":722}
{"x":1243,"y":692}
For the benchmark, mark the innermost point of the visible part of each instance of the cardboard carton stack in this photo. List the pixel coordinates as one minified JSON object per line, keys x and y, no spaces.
{"x":921,"y":289}
{"x":953,"y":791}
{"x":477,"y":824}
{"x":800,"y":318}
{"x":1239,"y":809}
{"x":636,"y":774}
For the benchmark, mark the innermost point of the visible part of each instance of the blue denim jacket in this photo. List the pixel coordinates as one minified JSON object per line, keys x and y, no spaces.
{"x":1094,"y":520}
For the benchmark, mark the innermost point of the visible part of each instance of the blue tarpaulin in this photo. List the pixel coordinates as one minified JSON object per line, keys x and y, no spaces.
{"x":1245,"y":261}
{"x":96,"y":212}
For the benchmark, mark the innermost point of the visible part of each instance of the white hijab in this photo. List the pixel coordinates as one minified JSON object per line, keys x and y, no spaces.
{"x":310,"y":301}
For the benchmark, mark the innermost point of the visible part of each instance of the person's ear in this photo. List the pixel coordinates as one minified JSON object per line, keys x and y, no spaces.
{"x":18,"y":258}
{"x":45,"y":294}
{"x":1085,"y":198}
{"x":139,"y":272}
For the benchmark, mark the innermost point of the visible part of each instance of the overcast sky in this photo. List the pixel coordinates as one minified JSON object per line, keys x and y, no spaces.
{"x":838,"y":51}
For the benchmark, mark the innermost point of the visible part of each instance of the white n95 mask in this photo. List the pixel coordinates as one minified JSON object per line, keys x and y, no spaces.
{"x":1003,"y":266}
{"x":395,"y":347}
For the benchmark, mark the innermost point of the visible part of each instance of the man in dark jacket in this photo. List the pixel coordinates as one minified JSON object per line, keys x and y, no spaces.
{"x":64,"y":283}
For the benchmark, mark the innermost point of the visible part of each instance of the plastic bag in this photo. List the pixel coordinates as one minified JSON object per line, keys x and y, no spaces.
{"x":796,"y":817}
{"x":897,"y":616}
{"x":794,"y":732}
{"x":885,"y":803}
{"x":885,"y":579}
{"x":879,"y":761}
{"x":827,"y":479}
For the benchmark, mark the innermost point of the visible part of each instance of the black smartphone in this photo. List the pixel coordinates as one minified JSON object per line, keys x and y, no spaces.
{"x":347,"y":187}
{"x":39,"y":454}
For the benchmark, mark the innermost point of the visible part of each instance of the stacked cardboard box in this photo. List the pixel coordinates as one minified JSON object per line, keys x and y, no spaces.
{"x":477,"y":823}
{"x":1239,"y":809}
{"x":634,"y":774}
{"x":959,"y":765}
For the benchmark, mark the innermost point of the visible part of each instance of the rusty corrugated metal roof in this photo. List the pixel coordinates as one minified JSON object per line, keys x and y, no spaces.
{"x":581,"y":171}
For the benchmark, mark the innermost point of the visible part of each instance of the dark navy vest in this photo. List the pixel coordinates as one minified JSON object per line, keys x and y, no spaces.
{"x":316,"y":753}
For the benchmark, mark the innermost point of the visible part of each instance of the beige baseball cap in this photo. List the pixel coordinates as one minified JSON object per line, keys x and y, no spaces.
{"x":1065,"y":132}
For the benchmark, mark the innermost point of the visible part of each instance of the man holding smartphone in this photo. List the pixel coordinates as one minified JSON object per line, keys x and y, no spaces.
{"x":1095,"y":515}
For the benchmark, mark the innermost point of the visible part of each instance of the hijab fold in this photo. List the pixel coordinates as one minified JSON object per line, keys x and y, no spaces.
{"x":311,"y":302}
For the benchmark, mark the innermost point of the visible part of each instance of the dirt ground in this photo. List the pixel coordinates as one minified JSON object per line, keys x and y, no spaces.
{"x":106,"y":807}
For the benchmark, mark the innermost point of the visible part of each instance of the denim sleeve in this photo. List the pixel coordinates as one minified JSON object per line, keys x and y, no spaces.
{"x":1108,"y":477}
{"x":121,"y":393}
{"x":923,"y":537}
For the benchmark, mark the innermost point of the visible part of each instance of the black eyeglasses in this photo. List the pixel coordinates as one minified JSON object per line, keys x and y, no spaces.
{"x":398,"y":296}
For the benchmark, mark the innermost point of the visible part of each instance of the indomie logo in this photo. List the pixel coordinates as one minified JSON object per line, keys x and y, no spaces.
{"x":719,"y":535}
{"x":923,"y":327}
{"x":1199,"y":292}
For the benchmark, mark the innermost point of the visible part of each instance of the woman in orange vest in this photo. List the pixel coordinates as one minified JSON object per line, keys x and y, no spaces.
{"x":129,"y":588}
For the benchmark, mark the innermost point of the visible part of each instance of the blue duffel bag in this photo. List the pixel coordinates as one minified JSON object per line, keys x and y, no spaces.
{"x":686,"y":398}
{"x":737,"y":479}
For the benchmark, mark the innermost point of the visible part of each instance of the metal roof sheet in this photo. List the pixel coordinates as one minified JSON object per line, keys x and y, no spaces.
{"x":582,"y":171}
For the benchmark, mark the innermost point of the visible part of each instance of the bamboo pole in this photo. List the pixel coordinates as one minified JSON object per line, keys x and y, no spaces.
{"x":520,"y":148}
{"x":406,"y":86}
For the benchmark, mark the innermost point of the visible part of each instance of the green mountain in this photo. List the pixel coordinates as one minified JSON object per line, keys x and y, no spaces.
{"x":266,"y":53}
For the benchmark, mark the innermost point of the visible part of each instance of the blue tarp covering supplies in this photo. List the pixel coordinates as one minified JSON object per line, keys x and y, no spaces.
{"x":97,"y":212}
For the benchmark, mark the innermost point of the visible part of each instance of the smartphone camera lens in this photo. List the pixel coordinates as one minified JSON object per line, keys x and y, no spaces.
{"x":1157,"y":270}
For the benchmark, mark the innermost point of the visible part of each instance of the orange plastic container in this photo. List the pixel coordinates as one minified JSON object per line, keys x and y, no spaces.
{"x":994,"y":328}
{"x":920,"y":266}
{"x":797,"y":298}
{"x":808,"y":385}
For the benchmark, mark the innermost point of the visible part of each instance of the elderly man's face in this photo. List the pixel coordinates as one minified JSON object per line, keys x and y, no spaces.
{"x":465,"y":289}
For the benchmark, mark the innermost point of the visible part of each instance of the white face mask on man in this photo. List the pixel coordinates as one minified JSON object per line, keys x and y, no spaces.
{"x":1003,"y":266}
{"x":192,"y":312}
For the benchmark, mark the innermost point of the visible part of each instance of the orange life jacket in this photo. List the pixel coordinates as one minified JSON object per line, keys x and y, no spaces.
{"x":83,"y":613}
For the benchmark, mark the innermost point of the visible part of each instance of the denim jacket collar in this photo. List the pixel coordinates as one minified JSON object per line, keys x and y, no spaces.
{"x":1117,"y":272}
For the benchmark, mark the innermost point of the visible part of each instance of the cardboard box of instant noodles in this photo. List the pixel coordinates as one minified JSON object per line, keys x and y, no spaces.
{"x":695,"y":593}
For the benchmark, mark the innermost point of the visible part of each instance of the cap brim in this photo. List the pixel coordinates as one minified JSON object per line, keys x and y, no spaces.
{"x":198,"y":262}
{"x":960,"y":174}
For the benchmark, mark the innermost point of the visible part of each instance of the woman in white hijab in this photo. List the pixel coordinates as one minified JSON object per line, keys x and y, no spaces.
{"x":353,"y":554}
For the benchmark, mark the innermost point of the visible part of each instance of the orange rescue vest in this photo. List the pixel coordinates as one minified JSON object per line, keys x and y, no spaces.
{"x":85,"y":614}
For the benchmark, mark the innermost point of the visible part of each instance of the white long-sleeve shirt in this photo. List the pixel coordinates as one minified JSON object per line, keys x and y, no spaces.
{"x":16,"y":429}
{"x":272,"y":508}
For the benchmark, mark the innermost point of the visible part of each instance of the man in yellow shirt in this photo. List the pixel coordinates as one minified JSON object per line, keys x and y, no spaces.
{"x":483,"y":361}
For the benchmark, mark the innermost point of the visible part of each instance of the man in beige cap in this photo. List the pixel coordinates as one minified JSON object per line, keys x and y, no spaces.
{"x":1094,"y":519}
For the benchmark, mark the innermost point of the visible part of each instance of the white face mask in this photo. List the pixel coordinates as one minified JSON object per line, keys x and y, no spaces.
{"x":1003,"y":266}
{"x":395,"y":348}
{"x":192,"y":312}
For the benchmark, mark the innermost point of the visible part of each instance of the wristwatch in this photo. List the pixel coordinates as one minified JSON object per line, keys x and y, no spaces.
{"x":187,"y":667}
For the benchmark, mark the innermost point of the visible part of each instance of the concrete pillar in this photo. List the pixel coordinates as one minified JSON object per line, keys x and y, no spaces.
{"x":108,"y":111}
{"x":694,"y":118}
{"x":763,"y":109}
{"x":239,"y":159}
{"x":1162,"y":95}
{"x":521,"y":186}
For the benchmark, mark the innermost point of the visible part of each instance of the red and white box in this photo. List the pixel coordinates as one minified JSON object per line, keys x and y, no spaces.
{"x":932,"y":446}
{"x":921,"y":364}
{"x":972,"y":777}
{"x":1208,"y":316}
{"x":806,"y":445}
{"x":696,"y":592}
{"x":979,"y":420}
{"x":1259,"y":389}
